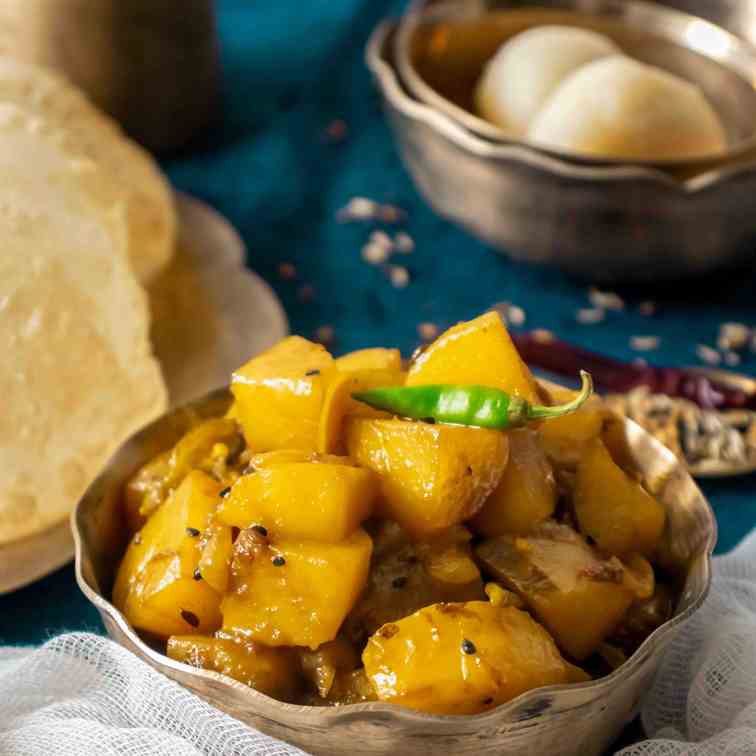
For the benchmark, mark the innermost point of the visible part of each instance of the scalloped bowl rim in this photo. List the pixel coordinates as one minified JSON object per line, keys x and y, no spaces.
{"x":388,"y":78}
{"x":700,"y":561}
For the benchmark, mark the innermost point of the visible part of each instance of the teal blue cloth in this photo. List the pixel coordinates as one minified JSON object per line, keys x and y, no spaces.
{"x":290,"y":68}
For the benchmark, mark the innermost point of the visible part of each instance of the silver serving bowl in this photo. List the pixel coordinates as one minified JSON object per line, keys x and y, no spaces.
{"x":572,"y":720}
{"x":606,"y":223}
{"x":442,"y":45}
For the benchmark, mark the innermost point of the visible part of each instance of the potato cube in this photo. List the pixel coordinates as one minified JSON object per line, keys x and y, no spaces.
{"x":526,"y":494}
{"x":164,"y":601}
{"x":612,"y":508}
{"x":302,"y":500}
{"x":462,"y":658}
{"x":338,"y":403}
{"x":371,"y":359}
{"x":579,"y":596}
{"x":476,"y":352}
{"x":294,"y":593}
{"x":564,"y":438}
{"x":273,"y":671}
{"x":432,"y":476}
{"x":279,"y":395}
{"x":173,"y":530}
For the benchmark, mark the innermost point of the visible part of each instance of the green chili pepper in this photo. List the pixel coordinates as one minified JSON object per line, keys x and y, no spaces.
{"x":477,"y":406}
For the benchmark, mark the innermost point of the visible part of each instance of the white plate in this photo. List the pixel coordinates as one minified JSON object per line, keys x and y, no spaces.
{"x":210,"y":314}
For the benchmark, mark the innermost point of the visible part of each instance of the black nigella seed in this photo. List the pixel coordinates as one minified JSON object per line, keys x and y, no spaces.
{"x":310,"y":373}
{"x":468,"y":647}
{"x":190,"y":618}
{"x":263,"y":531}
{"x":193,"y":532}
{"x":591,"y":541}
{"x":399,"y":582}
{"x":225,"y":492}
{"x":278,"y":561}
{"x":197,"y":575}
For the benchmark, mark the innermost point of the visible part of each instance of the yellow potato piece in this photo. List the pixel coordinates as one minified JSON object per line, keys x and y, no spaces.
{"x":294,"y":593}
{"x":279,"y":395}
{"x":476,"y":352}
{"x":526,"y":494}
{"x":371,"y":359}
{"x":338,"y":402}
{"x":579,"y":596}
{"x":564,"y":438}
{"x":432,"y":476}
{"x":165,"y":601}
{"x":612,"y":508}
{"x":215,"y":560}
{"x":301,"y":500}
{"x":462,"y":658}
{"x":169,"y":531}
{"x":273,"y":671}
{"x":287,"y":456}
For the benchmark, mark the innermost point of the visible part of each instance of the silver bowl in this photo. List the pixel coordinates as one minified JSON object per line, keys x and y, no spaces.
{"x":607,"y":223}
{"x":470,"y":31}
{"x":572,"y":720}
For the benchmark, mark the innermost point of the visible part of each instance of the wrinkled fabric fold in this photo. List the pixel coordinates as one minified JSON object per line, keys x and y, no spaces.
{"x":703,"y":701}
{"x":81,"y":694}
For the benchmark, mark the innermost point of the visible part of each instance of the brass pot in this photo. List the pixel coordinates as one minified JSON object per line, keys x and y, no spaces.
{"x":571,"y":720}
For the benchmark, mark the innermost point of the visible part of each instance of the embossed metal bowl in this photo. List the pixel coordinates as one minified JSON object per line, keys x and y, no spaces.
{"x":442,"y":45}
{"x":608,"y":223}
{"x":571,"y":720}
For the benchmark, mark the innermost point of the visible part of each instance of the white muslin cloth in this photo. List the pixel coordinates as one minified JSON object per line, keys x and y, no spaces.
{"x":82,"y":695}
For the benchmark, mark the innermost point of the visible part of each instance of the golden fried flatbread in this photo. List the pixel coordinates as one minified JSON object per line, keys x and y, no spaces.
{"x":150,"y":213}
{"x":78,"y":375}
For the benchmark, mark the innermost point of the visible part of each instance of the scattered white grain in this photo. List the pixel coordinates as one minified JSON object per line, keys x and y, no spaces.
{"x":640,"y":362}
{"x":427,"y":331}
{"x":708,"y":355}
{"x":382,"y":238}
{"x":375,"y":254}
{"x":325,"y":335}
{"x":399,"y":276}
{"x":358,"y":208}
{"x":516,"y":316}
{"x":590,"y":315}
{"x":647,"y":308}
{"x":510,"y":313}
{"x":732,"y":359}
{"x":606,"y":300}
{"x":542,"y":336}
{"x":644,"y":343}
{"x":391,"y":214}
{"x":733,"y":336}
{"x":404,"y":243}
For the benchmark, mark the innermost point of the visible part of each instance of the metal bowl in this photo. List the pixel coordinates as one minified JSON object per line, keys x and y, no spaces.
{"x":606,"y":223}
{"x":441,"y":48}
{"x":572,"y":720}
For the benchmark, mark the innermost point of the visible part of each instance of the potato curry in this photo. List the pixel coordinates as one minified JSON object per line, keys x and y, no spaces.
{"x":326,"y":552}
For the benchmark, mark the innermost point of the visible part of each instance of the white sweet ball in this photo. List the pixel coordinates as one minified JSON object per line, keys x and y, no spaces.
{"x":620,"y":108}
{"x":525,"y":70}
